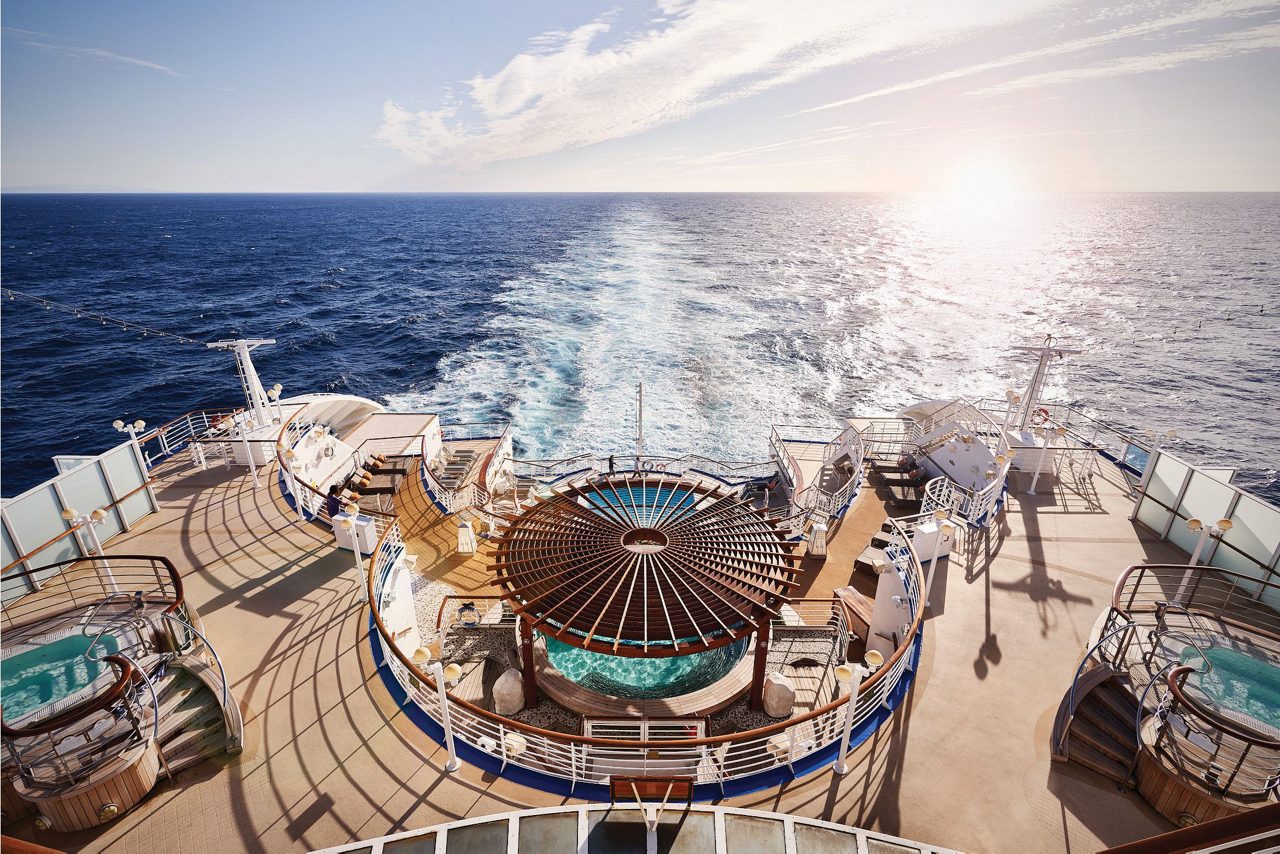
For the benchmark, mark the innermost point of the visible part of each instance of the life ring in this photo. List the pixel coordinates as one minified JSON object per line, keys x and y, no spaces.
{"x":1040,"y":417}
{"x":660,"y":467}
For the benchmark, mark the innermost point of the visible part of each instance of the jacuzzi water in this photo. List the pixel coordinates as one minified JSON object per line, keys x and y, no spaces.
{"x":53,"y":671}
{"x":1246,"y":684}
{"x":643,"y":678}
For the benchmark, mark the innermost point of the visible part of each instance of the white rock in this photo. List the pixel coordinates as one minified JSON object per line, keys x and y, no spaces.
{"x":508,"y":692}
{"x":779,"y":696}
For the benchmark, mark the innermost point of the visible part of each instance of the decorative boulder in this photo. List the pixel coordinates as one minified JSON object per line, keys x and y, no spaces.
{"x":508,"y":692}
{"x":779,"y":696}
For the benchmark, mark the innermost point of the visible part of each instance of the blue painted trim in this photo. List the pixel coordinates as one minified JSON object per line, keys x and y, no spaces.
{"x":597,"y":792}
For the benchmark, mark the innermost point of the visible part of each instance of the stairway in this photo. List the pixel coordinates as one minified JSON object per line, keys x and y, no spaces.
{"x":193,"y":726}
{"x":1102,"y":735}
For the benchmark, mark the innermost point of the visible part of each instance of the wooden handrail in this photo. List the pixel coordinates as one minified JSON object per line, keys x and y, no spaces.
{"x":73,"y":528}
{"x":80,"y":710}
{"x":1178,"y":675}
{"x":512,"y":724}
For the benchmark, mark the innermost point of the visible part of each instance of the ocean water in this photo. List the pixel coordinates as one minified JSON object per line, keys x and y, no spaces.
{"x":736,"y":311}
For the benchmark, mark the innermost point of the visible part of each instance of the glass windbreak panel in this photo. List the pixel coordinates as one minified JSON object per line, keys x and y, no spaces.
{"x":8,"y":554}
{"x":35,"y":518}
{"x":478,"y":838}
{"x":1270,"y":595}
{"x":1182,"y":537}
{"x":1166,"y":480}
{"x":752,"y":835}
{"x":1206,"y":498}
{"x":423,"y":844}
{"x":556,"y":833}
{"x":86,"y":490}
{"x":121,"y":465}
{"x":822,"y":840}
{"x":1153,"y":515}
{"x":1255,"y":529}
{"x":1226,"y":557}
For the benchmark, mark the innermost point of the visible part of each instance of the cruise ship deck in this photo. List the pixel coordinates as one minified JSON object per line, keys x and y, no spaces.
{"x":329,"y":759}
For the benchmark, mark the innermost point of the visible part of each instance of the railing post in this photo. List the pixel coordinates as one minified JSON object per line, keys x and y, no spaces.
{"x":446,"y":721}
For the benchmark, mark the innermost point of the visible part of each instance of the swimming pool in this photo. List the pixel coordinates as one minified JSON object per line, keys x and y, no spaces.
{"x":644,"y":678}
{"x":1245,"y":684}
{"x":45,"y":674}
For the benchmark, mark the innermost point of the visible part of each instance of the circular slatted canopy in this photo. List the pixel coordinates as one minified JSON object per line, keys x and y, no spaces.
{"x":644,"y":566}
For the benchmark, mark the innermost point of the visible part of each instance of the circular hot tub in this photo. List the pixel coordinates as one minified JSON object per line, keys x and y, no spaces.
{"x":643,"y":678}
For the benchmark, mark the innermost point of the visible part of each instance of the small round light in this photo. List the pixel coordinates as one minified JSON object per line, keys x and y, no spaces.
{"x":874,"y":658}
{"x":1195,"y":525}
{"x":844,"y":672}
{"x":515,"y":743}
{"x":139,"y":425}
{"x":42,"y":822}
{"x":421,"y":655}
{"x":452,"y":672}
{"x":98,"y":515}
{"x":277,"y":388}
{"x":352,"y":509}
{"x":1224,"y":525}
{"x":346,"y":524}
{"x":118,"y":424}
{"x":948,"y":529}
{"x":1001,"y":459}
{"x":70,"y":515}
{"x":106,"y":812}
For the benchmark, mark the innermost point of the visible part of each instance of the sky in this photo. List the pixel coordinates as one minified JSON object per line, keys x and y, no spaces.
{"x":678,"y":95}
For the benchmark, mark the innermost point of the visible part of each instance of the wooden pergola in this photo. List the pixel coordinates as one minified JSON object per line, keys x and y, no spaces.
{"x":644,"y":565}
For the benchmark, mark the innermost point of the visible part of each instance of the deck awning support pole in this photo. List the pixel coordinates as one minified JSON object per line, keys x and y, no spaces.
{"x":762,"y":659}
{"x":529,"y":674}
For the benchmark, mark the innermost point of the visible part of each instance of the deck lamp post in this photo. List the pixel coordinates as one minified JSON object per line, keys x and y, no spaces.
{"x":274,"y":394}
{"x":942,"y":520}
{"x":133,"y":429}
{"x":1014,"y":399}
{"x":348,"y":524}
{"x":245,"y":426}
{"x":447,"y":675}
{"x":291,"y":479}
{"x":89,"y":521}
{"x":852,"y":675}
{"x":1195,"y":526}
{"x":1048,"y":434}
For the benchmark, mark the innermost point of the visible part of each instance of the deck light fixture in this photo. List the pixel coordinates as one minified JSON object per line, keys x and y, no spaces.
{"x":443,"y":676}
{"x":133,"y":430}
{"x":852,"y":675}
{"x":88,"y":522}
{"x":943,"y":531}
{"x":1048,"y":433}
{"x":348,"y":524}
{"x":1196,"y":526}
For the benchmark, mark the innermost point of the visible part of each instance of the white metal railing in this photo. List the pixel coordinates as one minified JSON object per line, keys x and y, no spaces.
{"x":474,"y":430}
{"x":814,"y":499}
{"x":586,"y":760}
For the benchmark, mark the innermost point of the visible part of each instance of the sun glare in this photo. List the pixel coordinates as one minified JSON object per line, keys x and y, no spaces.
{"x":986,"y":185}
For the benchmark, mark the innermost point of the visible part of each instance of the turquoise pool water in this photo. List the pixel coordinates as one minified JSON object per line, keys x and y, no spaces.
{"x":50,"y":672}
{"x":1243,"y":683}
{"x":643,"y":678}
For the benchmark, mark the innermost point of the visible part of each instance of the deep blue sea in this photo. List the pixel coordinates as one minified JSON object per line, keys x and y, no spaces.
{"x":735,"y":310}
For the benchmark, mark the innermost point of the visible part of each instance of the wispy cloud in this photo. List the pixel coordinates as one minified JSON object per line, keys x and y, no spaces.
{"x":585,"y":85}
{"x":568,"y":91}
{"x":1138,"y":33}
{"x":103,"y":56}
{"x":1248,"y":41}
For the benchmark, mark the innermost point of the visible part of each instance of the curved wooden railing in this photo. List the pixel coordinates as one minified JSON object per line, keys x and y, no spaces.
{"x":713,"y":759}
